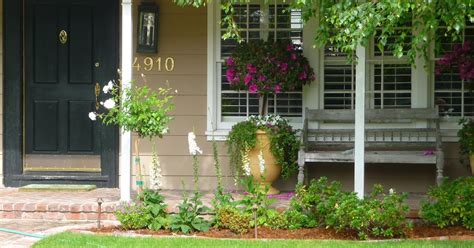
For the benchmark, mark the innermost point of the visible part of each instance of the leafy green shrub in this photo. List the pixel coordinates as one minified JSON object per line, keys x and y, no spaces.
{"x":324,"y":204}
{"x":273,"y":219}
{"x":378,"y":215}
{"x":189,"y":217}
{"x":148,"y":212}
{"x":133,"y":216}
{"x":231,"y":218}
{"x":296,"y":219}
{"x":450,"y":204}
{"x":155,"y":204}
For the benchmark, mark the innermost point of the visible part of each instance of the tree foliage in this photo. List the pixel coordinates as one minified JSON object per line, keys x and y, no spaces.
{"x":345,"y":24}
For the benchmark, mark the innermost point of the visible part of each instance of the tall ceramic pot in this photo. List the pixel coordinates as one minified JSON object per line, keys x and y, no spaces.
{"x":272,"y":169}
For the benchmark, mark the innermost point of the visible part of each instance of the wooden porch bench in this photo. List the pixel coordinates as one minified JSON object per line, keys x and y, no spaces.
{"x":393,"y":136}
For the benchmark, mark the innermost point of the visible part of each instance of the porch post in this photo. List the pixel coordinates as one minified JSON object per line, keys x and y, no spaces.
{"x":359,"y":146}
{"x":126,"y":137}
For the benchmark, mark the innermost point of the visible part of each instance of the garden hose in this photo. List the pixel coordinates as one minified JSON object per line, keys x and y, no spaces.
{"x":38,"y":236}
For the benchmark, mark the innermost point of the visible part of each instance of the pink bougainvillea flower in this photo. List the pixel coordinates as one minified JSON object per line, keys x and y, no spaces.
{"x":262,"y":78}
{"x":247,"y":79}
{"x":290,"y":47}
{"x":302,"y":76}
{"x":293,"y":56}
{"x":230,"y":61}
{"x":253,"y":88}
{"x":230,"y":74}
{"x":277,"y":88}
{"x":284,"y":66}
{"x":252,"y":69}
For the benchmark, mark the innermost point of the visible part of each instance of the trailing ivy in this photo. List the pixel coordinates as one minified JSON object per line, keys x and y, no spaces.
{"x":284,"y":143}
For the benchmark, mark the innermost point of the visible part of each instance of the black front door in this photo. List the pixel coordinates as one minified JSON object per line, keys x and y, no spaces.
{"x":70,"y":52}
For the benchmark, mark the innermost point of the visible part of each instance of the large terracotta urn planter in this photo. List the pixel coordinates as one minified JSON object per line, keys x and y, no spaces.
{"x":471,"y":160}
{"x":272,"y":169}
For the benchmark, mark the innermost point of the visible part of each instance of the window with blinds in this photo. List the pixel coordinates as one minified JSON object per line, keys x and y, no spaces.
{"x":391,"y":76}
{"x":392,"y":86}
{"x":339,"y":80}
{"x":450,"y":93}
{"x":267,"y":22}
{"x":389,"y":82}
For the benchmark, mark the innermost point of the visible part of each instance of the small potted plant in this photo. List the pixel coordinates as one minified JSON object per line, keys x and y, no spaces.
{"x":265,"y":145}
{"x":466,"y":140}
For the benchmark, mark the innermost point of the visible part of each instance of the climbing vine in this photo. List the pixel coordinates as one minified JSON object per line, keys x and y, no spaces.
{"x":345,"y":24}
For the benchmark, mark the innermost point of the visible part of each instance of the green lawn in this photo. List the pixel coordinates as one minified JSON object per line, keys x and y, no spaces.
{"x":79,"y":240}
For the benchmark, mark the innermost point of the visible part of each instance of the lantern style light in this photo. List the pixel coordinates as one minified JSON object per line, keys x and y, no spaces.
{"x":147,"y":40}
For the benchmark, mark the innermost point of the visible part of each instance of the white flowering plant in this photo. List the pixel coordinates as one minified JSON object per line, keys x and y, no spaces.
{"x":284,"y":143}
{"x":142,"y":109}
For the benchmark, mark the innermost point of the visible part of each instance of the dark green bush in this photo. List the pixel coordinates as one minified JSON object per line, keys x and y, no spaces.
{"x":450,"y":204}
{"x":325,"y":205}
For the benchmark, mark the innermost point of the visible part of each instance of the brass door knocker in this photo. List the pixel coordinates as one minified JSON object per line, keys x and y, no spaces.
{"x":63,"y":37}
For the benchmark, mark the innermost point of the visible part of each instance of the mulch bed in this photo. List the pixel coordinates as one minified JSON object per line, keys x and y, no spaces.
{"x":420,"y":231}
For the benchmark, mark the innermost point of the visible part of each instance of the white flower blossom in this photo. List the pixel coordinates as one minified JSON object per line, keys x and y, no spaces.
{"x":92,"y":116}
{"x":246,"y":162}
{"x":109,"y":103}
{"x":261,"y":162}
{"x":165,"y":130}
{"x":108,"y":87}
{"x":391,"y":191}
{"x":193,"y":147}
{"x":156,"y":176}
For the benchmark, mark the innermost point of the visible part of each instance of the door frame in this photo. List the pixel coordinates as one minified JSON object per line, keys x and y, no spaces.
{"x":13,"y":128}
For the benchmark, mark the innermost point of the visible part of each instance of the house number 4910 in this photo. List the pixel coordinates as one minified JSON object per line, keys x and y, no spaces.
{"x":158,"y":64}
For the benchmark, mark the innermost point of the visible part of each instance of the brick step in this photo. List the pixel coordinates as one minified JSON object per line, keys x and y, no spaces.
{"x":57,"y":211}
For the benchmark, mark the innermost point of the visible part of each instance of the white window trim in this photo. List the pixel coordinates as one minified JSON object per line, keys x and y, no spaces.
{"x":217,"y":129}
{"x":313,"y":95}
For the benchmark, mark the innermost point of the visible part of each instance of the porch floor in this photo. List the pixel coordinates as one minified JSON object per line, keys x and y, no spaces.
{"x":75,"y":206}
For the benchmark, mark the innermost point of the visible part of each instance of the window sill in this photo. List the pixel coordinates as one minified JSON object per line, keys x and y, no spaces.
{"x":217,"y":135}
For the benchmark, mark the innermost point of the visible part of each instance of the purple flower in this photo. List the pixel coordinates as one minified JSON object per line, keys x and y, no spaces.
{"x":253,"y":88}
{"x":277,"y":88}
{"x":252,"y":69}
{"x":284,"y":67}
{"x":293,"y":56}
{"x":302,"y":76}
{"x":230,"y":74}
{"x":230,"y":61}
{"x":247,"y":79}
{"x":290,"y":47}
{"x":262,"y":78}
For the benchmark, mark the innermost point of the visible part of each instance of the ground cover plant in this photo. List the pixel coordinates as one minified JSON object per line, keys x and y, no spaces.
{"x":81,"y":240}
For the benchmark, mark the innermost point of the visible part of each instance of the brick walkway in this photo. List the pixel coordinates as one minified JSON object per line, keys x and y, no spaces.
{"x":75,"y":206}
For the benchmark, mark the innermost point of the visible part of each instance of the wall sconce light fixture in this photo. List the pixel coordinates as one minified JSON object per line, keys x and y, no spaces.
{"x":147,"y":40}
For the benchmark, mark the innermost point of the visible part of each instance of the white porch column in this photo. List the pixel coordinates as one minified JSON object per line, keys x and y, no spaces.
{"x":126,"y":137}
{"x":359,"y":146}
